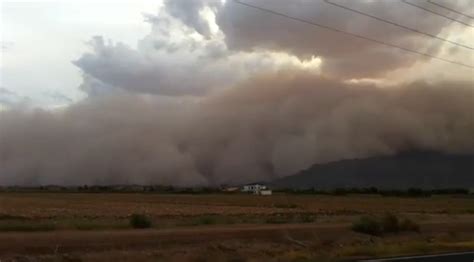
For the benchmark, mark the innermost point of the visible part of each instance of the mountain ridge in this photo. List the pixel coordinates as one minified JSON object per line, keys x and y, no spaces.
{"x":420,"y":169}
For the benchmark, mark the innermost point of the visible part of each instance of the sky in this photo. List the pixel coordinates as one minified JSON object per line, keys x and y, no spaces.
{"x":211,"y":91}
{"x":40,"y":39}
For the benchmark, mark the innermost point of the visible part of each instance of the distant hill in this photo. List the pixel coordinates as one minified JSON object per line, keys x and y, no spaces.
{"x":425,"y":170}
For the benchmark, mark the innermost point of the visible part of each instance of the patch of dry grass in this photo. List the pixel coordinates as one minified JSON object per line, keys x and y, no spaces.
{"x":41,"y":205}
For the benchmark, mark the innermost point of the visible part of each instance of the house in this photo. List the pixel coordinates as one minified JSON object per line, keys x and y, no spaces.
{"x":257,"y":189}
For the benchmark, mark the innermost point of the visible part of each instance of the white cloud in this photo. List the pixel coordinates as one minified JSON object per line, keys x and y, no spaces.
{"x":175,"y":60}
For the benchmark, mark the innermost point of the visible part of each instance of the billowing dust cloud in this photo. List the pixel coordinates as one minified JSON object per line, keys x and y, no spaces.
{"x":219,"y":93}
{"x":266,"y":127}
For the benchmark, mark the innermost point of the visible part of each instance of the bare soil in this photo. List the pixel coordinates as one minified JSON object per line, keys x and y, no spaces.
{"x":447,"y":224}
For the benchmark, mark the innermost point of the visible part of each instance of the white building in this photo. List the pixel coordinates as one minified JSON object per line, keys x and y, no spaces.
{"x":257,"y":189}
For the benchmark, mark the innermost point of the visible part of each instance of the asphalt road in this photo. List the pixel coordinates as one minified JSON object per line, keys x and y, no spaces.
{"x":453,"y":257}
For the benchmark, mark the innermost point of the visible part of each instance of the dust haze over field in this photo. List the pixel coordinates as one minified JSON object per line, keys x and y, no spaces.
{"x":218,"y":93}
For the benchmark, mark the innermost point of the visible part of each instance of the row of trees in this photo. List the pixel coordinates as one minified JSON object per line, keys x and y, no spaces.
{"x":113,"y":189}
{"x":410,"y":192}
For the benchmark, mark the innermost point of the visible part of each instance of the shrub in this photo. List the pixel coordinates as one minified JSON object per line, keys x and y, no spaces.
{"x":307,"y":218}
{"x":409,"y":225}
{"x":367,"y":225}
{"x":390,"y":223}
{"x":140,"y":221}
{"x":418,"y":192}
{"x":339,"y":192}
{"x":207,"y":220}
{"x":387,"y":224}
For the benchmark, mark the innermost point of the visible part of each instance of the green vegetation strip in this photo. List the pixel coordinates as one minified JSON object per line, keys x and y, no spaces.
{"x":138,"y":221}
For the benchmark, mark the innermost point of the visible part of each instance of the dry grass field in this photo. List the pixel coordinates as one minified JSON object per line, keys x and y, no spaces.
{"x":46,"y":205}
{"x":223,"y":227}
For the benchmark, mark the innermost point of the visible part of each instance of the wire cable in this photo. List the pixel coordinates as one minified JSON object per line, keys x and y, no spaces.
{"x":450,"y":9}
{"x":396,"y":24}
{"x":329,"y":28}
{"x":436,"y":13}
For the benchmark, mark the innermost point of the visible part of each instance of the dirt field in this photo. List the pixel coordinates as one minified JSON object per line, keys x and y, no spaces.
{"x":40,"y":205}
{"x":218,"y":227}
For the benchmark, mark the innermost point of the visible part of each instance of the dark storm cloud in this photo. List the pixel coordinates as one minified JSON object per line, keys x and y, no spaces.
{"x":173,"y":61}
{"x":246,"y":29}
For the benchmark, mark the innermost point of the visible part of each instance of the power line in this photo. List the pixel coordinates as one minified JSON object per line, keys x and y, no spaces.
{"x":436,"y":13}
{"x":450,"y":9}
{"x":350,"y":34}
{"x":396,"y":24}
